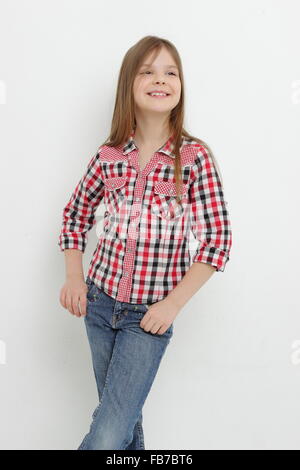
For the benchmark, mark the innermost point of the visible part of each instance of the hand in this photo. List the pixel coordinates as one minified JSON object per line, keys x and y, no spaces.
{"x":73,"y":296}
{"x":159,"y":317}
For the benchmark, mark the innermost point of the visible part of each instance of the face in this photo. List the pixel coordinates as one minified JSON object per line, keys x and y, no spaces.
{"x":162,"y":75}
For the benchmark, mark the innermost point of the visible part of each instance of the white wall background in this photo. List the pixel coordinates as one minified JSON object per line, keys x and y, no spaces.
{"x":231,"y":376}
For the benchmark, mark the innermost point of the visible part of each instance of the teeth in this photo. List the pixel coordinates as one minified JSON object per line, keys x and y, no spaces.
{"x":158,"y":94}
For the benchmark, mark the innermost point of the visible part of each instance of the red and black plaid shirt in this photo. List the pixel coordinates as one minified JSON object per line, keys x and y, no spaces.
{"x":144,"y":247}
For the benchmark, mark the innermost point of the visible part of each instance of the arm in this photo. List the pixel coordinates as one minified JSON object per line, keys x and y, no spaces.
{"x":73,"y":263}
{"x":79,"y":217}
{"x":193,"y":279}
{"x":79,"y":213}
{"x":210,"y":225}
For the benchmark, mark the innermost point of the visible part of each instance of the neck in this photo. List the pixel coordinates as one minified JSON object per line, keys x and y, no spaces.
{"x":152,"y":133}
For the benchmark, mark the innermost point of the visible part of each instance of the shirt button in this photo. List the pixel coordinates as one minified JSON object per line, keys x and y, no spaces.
{"x":137,"y":198}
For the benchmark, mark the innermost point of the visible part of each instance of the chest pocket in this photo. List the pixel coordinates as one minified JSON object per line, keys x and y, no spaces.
{"x":164,"y":203}
{"x":116,"y":193}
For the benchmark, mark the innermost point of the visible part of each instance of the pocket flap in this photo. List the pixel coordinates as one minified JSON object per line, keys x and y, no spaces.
{"x":115,"y":183}
{"x":168,"y":188}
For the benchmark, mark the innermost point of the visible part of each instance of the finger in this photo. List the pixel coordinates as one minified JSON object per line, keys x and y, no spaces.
{"x":161,"y":330}
{"x":156,"y":327}
{"x":144,"y":324}
{"x":148,"y":325}
{"x":79,"y":308}
{"x":62,"y":299}
{"x":145,"y":320}
{"x":75,"y":308}
{"x":69,"y":303}
{"x":82,"y":305}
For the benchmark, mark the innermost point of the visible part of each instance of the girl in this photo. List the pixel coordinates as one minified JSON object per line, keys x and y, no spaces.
{"x":159,"y":184}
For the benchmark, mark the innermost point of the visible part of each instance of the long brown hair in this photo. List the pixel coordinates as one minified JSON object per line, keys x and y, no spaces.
{"x":124,"y":121}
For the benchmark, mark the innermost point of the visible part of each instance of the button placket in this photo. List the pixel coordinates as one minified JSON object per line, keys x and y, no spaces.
{"x":128,"y":261}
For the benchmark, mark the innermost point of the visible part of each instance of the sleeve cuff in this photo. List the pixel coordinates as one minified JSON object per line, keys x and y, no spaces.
{"x":72,"y":241}
{"x":211,"y":255}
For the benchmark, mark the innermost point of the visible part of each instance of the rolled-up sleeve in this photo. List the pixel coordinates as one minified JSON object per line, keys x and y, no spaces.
{"x":209,"y":214}
{"x":79,"y":214}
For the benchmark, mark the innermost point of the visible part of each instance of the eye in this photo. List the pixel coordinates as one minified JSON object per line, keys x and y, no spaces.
{"x":150,"y":72}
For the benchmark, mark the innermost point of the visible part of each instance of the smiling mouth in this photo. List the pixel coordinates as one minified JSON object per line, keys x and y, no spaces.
{"x":158,"y":96}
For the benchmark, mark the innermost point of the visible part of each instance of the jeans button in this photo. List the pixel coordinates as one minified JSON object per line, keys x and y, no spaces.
{"x":125,"y":312}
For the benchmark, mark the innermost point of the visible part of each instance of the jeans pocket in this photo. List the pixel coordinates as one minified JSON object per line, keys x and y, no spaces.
{"x":93,"y":292}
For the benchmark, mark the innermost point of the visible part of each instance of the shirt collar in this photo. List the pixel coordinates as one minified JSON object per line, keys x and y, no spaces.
{"x":166,"y":148}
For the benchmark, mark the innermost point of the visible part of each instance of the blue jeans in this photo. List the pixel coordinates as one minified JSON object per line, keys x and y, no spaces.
{"x":125,"y":361}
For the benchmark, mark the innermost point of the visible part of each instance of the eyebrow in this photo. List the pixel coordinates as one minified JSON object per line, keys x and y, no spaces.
{"x":167,"y":66}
